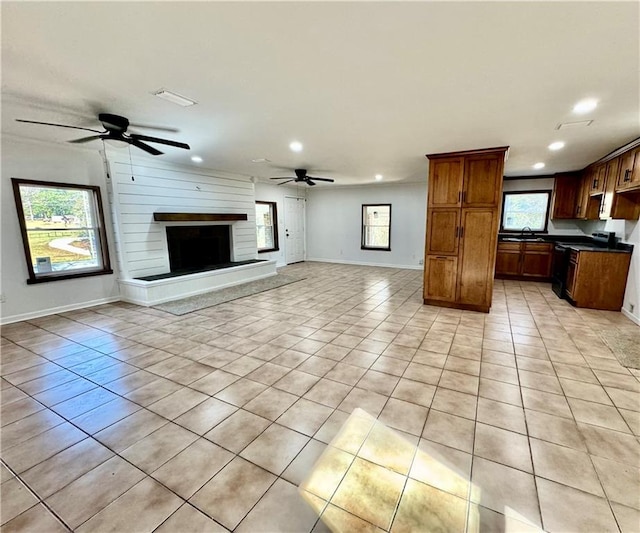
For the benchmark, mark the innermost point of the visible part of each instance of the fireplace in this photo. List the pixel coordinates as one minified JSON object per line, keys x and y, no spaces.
{"x":194,"y":248}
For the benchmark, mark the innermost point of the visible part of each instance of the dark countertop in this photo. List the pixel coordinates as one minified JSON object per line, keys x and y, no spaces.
{"x":579,"y":243}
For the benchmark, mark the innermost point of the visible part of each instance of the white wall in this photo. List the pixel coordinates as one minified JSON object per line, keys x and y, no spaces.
{"x":334,"y":221}
{"x":266,"y":192}
{"x":555,"y":227}
{"x":47,"y":162}
{"x":164,"y":187}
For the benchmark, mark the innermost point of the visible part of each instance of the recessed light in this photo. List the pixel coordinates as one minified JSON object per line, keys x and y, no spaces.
{"x":538,"y":166}
{"x":378,"y":177}
{"x":296,"y":146}
{"x":196,"y":159}
{"x":558,"y":145}
{"x":174,"y":98}
{"x":586,"y":105}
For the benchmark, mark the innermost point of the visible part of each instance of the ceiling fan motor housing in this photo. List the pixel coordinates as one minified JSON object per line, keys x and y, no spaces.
{"x":113,"y":122}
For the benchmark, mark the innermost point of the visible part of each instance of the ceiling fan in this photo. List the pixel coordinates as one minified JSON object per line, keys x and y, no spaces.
{"x":301,"y":176}
{"x":115,"y":128}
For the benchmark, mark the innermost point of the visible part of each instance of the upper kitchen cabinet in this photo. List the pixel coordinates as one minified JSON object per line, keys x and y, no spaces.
{"x":629,"y":171}
{"x":567,"y":188}
{"x":445,"y":182}
{"x":597,"y":175}
{"x":482,"y":180}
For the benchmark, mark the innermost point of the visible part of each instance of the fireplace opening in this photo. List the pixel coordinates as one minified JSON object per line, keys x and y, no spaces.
{"x":198,"y":247}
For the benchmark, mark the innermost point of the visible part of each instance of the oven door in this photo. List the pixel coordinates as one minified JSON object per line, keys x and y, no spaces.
{"x":559,"y":270}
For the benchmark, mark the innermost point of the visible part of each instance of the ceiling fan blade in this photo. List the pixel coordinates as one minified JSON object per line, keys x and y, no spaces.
{"x":322,"y":179}
{"x":285,"y":178}
{"x":283,"y":182}
{"x":309,"y":182}
{"x":58,"y":125}
{"x":152,"y":127}
{"x":149,"y":149}
{"x":160,"y":141}
{"x":86,"y":139}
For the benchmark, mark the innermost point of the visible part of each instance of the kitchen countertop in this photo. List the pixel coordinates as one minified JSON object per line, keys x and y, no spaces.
{"x":579,"y":243}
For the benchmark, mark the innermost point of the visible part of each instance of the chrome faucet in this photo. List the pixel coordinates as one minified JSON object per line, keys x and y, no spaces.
{"x":525,"y":230}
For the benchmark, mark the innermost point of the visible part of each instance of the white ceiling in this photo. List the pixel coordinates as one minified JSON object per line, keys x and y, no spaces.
{"x":367,"y":87}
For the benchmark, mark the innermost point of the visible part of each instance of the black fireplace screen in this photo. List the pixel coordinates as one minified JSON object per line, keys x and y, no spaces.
{"x":193,"y":247}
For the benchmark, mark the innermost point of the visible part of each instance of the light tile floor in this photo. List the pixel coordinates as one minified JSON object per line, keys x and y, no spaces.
{"x":126,"y":418}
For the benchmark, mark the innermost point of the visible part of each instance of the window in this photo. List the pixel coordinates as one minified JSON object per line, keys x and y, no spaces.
{"x":525,"y":209}
{"x":376,"y":227}
{"x":62,"y":230}
{"x":267,"y":226}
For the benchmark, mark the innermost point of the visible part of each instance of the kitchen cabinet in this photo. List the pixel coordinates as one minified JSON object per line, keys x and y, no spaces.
{"x":464,"y":195}
{"x":626,"y":170}
{"x":567,"y":188}
{"x":610,"y":178}
{"x":597,"y":279}
{"x":587,"y":207}
{"x":524,"y":260}
{"x":597,"y":177}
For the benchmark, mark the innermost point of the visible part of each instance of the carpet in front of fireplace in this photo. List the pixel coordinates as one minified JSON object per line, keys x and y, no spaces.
{"x":209,"y":299}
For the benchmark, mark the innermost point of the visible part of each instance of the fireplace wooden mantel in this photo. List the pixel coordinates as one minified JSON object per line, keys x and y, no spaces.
{"x":199,"y":217}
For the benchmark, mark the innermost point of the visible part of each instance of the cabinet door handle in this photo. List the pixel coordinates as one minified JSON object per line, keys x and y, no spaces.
{"x":627,"y":175}
{"x":464,"y":196}
{"x":457,"y":231}
{"x":459,"y":196}
{"x":461,"y":231}
{"x":441,"y":257}
{"x":595,"y":184}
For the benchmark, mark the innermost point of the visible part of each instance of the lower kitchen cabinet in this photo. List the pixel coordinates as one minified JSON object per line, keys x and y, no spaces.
{"x":597,"y":280}
{"x":524,"y":260}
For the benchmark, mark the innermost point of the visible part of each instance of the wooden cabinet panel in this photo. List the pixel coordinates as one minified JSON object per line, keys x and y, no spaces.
{"x":536,"y":262}
{"x":445,"y":182}
{"x":524,"y":260}
{"x":482,"y":181}
{"x":635,"y":173}
{"x":440,"y":281}
{"x":598,"y":279}
{"x":566,"y":191}
{"x":598,"y":179}
{"x":477,"y":258}
{"x":507,"y":262}
{"x":442,"y":231}
{"x":610,"y":177}
{"x":625,"y":170}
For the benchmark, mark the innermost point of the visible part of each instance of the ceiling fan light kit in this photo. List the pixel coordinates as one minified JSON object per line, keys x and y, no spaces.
{"x":301,"y":176}
{"x":115,"y":129}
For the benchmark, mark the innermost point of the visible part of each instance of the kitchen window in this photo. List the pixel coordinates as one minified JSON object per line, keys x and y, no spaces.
{"x":525,"y":209}
{"x":63,"y":230}
{"x":376,"y":227}
{"x":267,"y":226}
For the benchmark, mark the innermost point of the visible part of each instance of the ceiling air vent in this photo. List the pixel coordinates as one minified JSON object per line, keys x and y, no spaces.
{"x":571,"y":125}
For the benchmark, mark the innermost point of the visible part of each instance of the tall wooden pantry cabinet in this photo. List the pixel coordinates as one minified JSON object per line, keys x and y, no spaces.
{"x":463,"y":211}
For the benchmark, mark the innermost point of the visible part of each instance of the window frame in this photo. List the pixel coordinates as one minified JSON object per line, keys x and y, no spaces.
{"x":548,"y":192}
{"x":363,"y":245}
{"x":274,"y":216}
{"x":100,"y":228}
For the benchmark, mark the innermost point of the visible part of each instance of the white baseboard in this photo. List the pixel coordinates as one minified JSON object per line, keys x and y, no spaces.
{"x":631,"y":317}
{"x":364,"y":263}
{"x":55,"y":310}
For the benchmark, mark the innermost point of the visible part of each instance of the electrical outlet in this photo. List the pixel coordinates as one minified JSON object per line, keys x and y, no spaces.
{"x":3,"y":298}
{"x":421,"y":262}
{"x":631,"y":308}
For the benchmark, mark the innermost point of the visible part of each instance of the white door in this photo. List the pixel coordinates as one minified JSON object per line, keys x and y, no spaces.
{"x":294,"y":229}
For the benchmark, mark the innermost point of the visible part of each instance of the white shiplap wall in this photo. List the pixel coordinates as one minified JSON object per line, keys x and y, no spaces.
{"x":141,"y":242}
